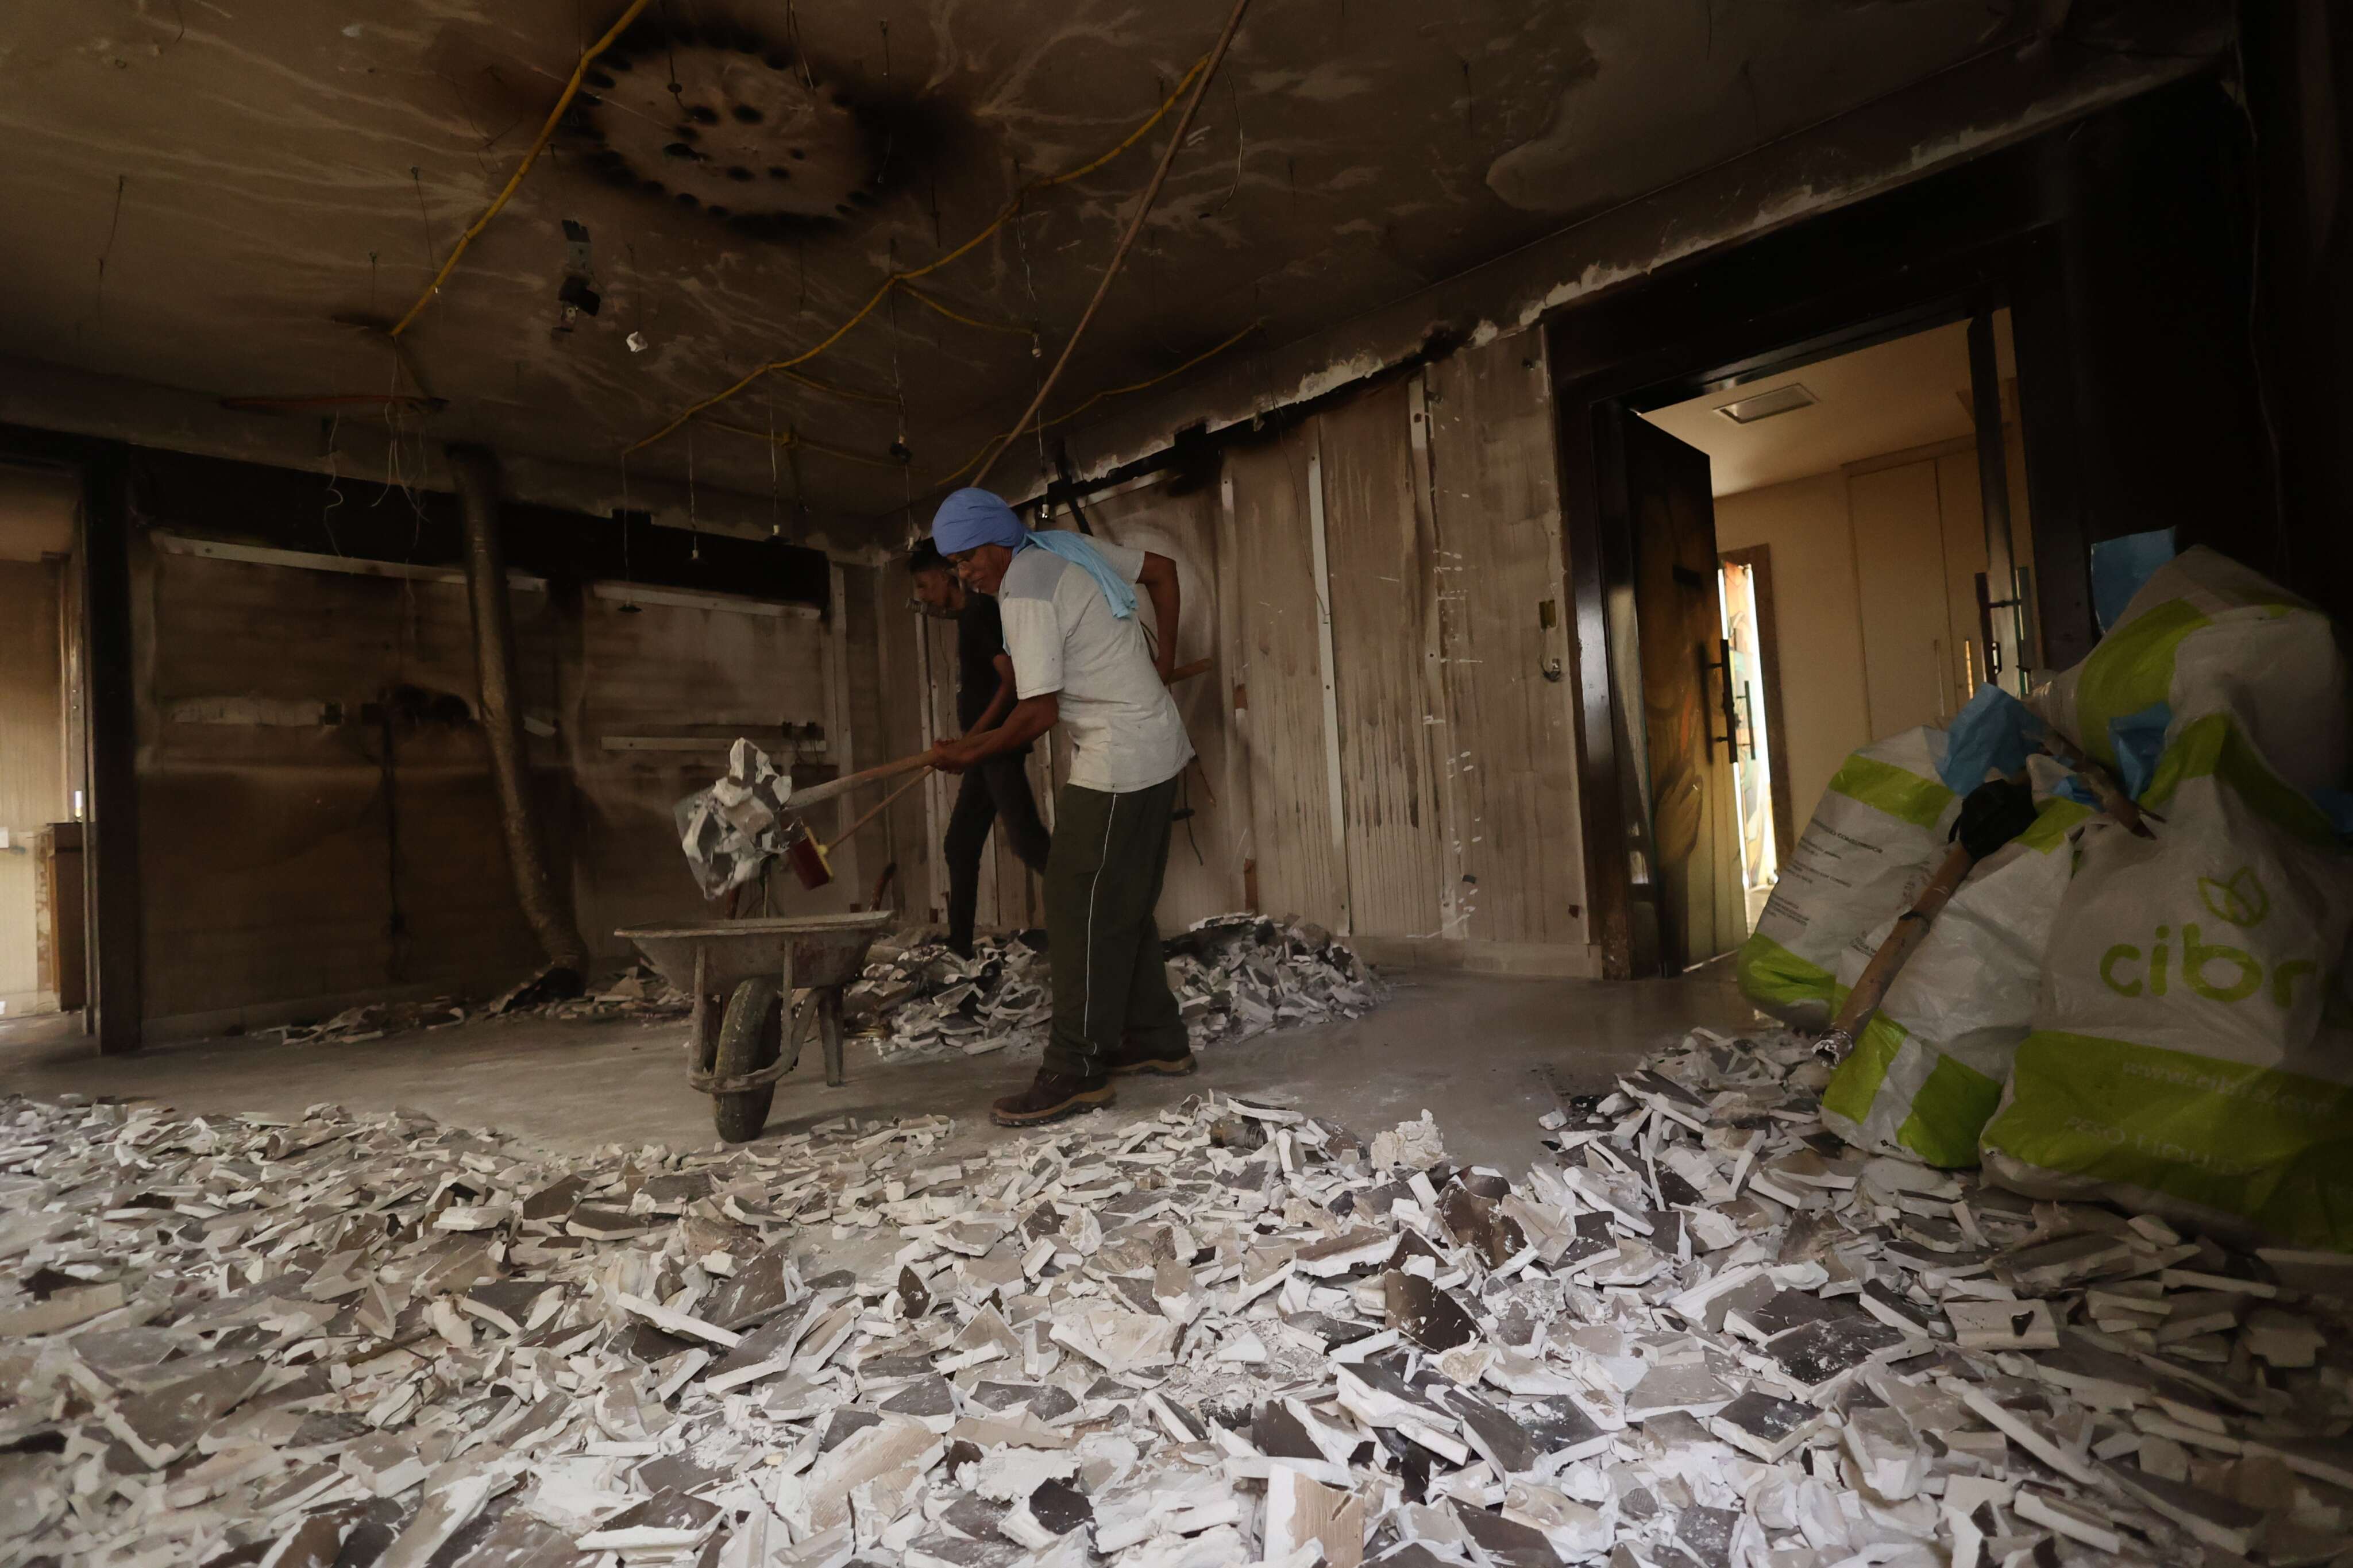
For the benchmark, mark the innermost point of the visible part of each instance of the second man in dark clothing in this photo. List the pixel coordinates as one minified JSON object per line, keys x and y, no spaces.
{"x":995,"y":790}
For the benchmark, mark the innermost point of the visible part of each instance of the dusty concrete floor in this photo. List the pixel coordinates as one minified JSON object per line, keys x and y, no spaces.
{"x":1487,"y":1057}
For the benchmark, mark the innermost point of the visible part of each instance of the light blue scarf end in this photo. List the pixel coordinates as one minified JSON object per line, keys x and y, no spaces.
{"x":1080,"y":551}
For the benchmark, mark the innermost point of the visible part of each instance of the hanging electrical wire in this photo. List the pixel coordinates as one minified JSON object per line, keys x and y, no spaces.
{"x":1064,"y":417}
{"x":514,"y":181}
{"x":1127,"y":240}
{"x":791,"y":440}
{"x":893,"y":280}
{"x":776,"y":485}
{"x":628,"y":600}
{"x":933,"y":302}
{"x":1036,"y":358}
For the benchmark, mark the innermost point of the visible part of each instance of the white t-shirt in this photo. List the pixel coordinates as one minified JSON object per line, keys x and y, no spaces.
{"x":1125,"y":732}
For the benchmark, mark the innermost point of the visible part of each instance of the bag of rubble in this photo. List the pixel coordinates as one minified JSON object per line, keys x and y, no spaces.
{"x":1927,"y":1068}
{"x":730,"y":831}
{"x":2205,"y":635}
{"x":1878,"y":832}
{"x":2192,"y":1048}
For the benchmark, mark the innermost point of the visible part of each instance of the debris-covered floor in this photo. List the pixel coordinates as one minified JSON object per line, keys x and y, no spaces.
{"x":1184,"y":1335}
{"x":574,"y":1085}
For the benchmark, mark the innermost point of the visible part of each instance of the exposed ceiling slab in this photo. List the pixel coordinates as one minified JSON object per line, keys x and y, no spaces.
{"x":219,"y":200}
{"x":1909,"y":391}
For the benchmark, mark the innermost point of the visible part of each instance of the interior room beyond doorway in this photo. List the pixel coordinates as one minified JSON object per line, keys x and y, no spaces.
{"x":1849,"y":514}
{"x":42,"y":787}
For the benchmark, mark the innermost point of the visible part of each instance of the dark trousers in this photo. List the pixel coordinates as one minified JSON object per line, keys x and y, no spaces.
{"x":1102,"y":883}
{"x":995,"y":790}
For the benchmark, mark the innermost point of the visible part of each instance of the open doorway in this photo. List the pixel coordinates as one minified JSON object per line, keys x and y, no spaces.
{"x":43,"y":787}
{"x":1745,"y":589}
{"x":1818,"y":552}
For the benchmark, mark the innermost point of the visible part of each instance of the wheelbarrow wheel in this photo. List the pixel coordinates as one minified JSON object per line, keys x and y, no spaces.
{"x":751,"y":1036}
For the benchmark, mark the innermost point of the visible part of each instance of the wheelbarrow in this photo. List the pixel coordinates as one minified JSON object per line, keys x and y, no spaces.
{"x":759,"y":987}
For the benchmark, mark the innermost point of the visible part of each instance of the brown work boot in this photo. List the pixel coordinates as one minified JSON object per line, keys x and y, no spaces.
{"x":1050,"y":1097}
{"x":1135,"y":1058}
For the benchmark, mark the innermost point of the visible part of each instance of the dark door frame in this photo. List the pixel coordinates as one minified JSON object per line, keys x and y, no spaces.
{"x":1986,"y":236}
{"x":2120,"y":243}
{"x":114,"y":919}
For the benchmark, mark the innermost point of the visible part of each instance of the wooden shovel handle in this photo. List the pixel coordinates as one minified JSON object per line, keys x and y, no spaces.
{"x":1910,"y":930}
{"x":818,"y":794}
{"x":883,"y":805}
{"x":2102,"y":784}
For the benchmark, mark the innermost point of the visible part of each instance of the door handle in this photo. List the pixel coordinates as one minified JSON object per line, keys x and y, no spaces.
{"x":1731,"y":719}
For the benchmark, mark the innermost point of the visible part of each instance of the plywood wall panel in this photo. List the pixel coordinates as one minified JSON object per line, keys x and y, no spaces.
{"x":678,"y":670}
{"x":1377,"y":571}
{"x":1300,"y":868}
{"x":283,"y":861}
{"x":871,"y":740}
{"x":897,"y":657}
{"x":1511,"y":740}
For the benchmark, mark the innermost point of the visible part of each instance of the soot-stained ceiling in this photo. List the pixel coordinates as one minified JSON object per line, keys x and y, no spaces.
{"x":234,"y":196}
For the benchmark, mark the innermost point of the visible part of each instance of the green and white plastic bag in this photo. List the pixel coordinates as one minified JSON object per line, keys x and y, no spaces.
{"x":1879,"y":831}
{"x":1927,"y":1068}
{"x":2205,"y":635}
{"x":2190,"y":1053}
{"x":1879,"y":828}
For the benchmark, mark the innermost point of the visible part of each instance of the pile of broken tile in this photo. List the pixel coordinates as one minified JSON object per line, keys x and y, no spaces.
{"x":1235,"y":976}
{"x":636,"y":991}
{"x":1696,"y":1334}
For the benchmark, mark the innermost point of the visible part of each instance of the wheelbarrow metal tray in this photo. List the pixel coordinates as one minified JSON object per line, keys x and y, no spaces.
{"x":826,"y":950}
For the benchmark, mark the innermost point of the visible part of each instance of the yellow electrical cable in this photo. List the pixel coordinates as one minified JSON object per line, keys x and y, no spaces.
{"x":1138,"y":134}
{"x":835,"y":390}
{"x":922,"y":297}
{"x":789,"y":440}
{"x":514,"y":181}
{"x":715,"y":399}
{"x":896,"y":279}
{"x":1070,"y":413}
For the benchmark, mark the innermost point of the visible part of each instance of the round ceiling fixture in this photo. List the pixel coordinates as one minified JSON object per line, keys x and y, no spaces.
{"x":720,"y":121}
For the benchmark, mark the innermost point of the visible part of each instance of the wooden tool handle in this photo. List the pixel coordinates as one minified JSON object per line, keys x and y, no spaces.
{"x":1910,"y":930}
{"x":883,"y":805}
{"x":818,"y":794}
{"x":2102,"y":784}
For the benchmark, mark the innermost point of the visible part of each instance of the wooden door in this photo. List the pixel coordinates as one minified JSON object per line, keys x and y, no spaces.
{"x":1500,"y":651}
{"x":1277,"y":673}
{"x":1375,"y":572}
{"x":1694,"y":840}
{"x":1909,"y":663}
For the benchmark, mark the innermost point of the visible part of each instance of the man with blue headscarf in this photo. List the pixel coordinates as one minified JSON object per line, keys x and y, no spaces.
{"x":1081,"y":659}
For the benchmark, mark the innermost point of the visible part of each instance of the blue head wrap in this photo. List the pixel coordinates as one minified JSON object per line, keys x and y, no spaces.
{"x":971,"y":517}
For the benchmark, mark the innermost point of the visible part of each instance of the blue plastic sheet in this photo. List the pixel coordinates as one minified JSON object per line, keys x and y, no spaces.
{"x":1994,"y":732}
{"x":2140,"y":741}
{"x":2119,"y":567}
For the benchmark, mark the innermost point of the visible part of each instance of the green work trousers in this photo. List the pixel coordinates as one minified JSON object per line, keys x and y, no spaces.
{"x":1103,"y":879}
